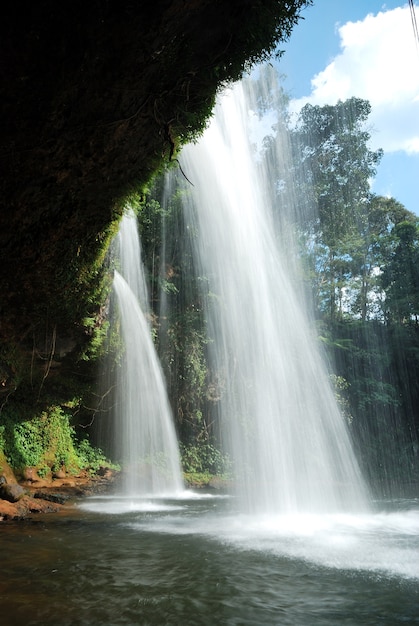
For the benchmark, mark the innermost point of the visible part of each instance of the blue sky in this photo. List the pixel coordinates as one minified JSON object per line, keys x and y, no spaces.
{"x":367,"y":49}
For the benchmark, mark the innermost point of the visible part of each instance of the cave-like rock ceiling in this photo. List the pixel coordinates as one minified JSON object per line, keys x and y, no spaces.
{"x":94,"y":98}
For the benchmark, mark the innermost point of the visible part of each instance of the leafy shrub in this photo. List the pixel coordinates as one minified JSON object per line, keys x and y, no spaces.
{"x":47,"y":441}
{"x":91,"y":458}
{"x":204,"y":458}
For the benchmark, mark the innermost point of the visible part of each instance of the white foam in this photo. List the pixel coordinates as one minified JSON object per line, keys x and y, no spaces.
{"x":382,"y":543}
{"x":119,"y":506}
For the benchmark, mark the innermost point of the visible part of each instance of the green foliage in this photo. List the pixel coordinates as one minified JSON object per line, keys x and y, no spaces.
{"x":400,"y":274}
{"x":330,"y":148}
{"x":360,"y":254}
{"x":46,"y":441}
{"x":91,"y":458}
{"x":187,"y":355}
{"x":347,"y":235}
{"x":380,"y":365}
{"x":29,"y":444}
{"x":98,"y":329}
{"x":204,"y":458}
{"x":43,"y":471}
{"x":180,"y":331}
{"x":341,"y":386}
{"x":332,"y":144}
{"x":251,"y":34}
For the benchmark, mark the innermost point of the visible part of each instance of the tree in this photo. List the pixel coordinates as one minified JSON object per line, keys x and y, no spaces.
{"x":370,"y":255}
{"x":400,"y":277}
{"x":330,"y":146}
{"x":359,"y":253}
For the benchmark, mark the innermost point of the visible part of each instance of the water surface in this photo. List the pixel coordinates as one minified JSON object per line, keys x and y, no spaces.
{"x":195,"y":561}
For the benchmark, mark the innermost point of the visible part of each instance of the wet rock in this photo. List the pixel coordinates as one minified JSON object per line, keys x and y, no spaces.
{"x":11,"y":493}
{"x":58,"y":498}
{"x":105,"y":472}
{"x":42,"y":506}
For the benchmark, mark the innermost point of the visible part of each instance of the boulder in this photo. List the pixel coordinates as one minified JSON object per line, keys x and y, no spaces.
{"x":30,"y":474}
{"x":11,"y":493}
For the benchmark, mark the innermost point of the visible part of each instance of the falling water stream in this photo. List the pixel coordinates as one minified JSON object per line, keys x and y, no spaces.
{"x":278,"y":413}
{"x":298,"y":542}
{"x":142,"y":416}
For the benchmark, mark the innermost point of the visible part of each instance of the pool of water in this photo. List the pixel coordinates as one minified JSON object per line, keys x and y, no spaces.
{"x":193,"y":560}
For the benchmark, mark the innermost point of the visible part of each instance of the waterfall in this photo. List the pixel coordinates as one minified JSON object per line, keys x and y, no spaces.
{"x":143,"y":422}
{"x":279,"y":418}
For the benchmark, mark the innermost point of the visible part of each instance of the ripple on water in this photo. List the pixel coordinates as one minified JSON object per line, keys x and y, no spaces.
{"x":200,"y":564}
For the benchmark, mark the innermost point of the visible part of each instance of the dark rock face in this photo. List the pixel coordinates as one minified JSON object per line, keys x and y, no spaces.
{"x":85,"y":113}
{"x":95,"y":96}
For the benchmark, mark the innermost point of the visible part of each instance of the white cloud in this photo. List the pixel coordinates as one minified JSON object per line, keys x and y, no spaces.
{"x":379,"y":62}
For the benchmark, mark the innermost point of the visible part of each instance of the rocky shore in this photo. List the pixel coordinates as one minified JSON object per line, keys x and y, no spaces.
{"x":20,"y":499}
{"x":24,"y":496}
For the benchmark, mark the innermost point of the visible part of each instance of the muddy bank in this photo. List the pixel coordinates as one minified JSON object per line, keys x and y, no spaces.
{"x":24,"y":493}
{"x":28,"y":497}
